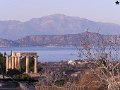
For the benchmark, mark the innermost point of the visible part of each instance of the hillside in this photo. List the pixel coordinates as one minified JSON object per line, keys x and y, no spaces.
{"x":8,"y":43}
{"x":95,"y":39}
{"x":91,"y":38}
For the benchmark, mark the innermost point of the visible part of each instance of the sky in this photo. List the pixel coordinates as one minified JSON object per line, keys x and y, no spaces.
{"x":96,"y":10}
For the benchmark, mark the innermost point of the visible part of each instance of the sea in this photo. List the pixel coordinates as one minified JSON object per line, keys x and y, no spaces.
{"x":47,"y":54}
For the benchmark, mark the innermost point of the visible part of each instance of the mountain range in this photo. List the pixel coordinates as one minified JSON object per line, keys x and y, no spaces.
{"x":57,"y":24}
{"x":57,"y":30}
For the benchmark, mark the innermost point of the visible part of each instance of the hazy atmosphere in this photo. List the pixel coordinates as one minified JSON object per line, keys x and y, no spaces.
{"x":59,"y":44}
{"x":96,"y":10}
{"x":47,"y":17}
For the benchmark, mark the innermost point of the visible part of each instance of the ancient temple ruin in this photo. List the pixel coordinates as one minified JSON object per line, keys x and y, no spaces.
{"x":13,"y":61}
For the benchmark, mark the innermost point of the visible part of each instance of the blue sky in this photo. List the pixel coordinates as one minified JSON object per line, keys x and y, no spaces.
{"x":97,"y":10}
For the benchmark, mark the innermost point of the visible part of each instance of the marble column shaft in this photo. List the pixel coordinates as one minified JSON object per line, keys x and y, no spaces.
{"x":10,"y":63}
{"x":27,"y":64}
{"x":7,"y":63}
{"x":13,"y":62}
{"x":16,"y":62}
{"x":35,"y":64}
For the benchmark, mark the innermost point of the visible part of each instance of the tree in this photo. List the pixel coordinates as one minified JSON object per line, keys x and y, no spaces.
{"x":13,"y":72}
{"x":104,"y":54}
{"x":60,"y":82}
{"x":2,"y":63}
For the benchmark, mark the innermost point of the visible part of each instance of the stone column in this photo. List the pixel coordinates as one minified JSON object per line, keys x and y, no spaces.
{"x":13,"y":62}
{"x":10,"y":63}
{"x":16,"y":62}
{"x":27,"y":64}
{"x":7,"y":63}
{"x":35,"y":64}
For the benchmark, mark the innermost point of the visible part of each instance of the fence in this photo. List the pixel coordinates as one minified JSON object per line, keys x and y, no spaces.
{"x":63,"y":88}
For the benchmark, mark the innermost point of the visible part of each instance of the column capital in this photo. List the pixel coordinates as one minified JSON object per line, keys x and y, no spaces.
{"x":35,"y":56}
{"x":6,"y":55}
{"x":12,"y":56}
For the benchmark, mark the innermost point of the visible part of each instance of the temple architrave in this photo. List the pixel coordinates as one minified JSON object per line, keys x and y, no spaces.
{"x":13,"y":61}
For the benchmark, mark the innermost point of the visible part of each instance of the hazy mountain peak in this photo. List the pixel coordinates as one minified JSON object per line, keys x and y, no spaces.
{"x":57,"y":15}
{"x":56,"y":24}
